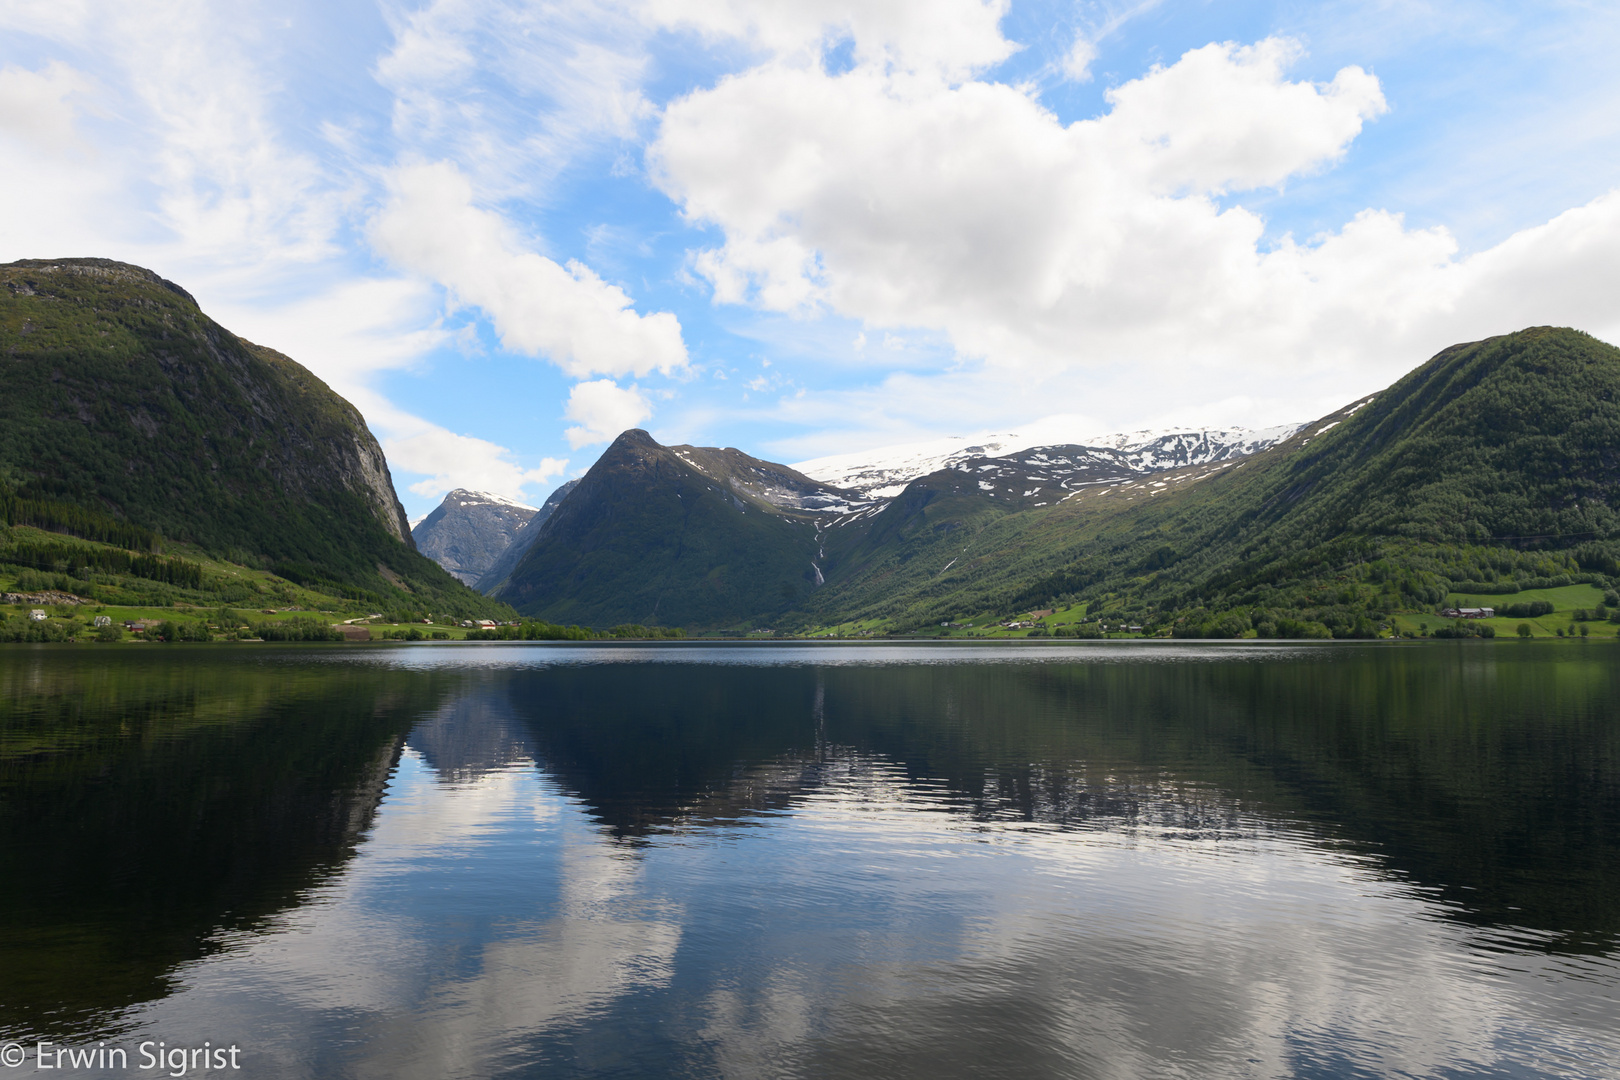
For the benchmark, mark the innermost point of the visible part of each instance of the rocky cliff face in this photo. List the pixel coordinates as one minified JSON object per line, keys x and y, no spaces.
{"x":469,"y":530}
{"x":352,"y":457}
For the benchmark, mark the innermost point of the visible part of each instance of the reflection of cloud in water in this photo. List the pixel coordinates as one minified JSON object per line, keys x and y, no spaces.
{"x":1101,"y":955}
{"x":437,"y":952}
{"x":600,"y":942}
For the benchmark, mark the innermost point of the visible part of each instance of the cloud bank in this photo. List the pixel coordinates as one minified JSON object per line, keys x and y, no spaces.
{"x":1113,"y":245}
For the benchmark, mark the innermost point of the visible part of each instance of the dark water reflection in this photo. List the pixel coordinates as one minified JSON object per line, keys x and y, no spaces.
{"x":768,"y":861}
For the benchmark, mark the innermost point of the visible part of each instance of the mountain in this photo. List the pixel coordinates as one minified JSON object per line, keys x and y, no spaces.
{"x":884,"y":472}
{"x":989,"y":534}
{"x":495,"y":575}
{"x":678,"y":536}
{"x":1493,"y":467}
{"x":129,"y":417}
{"x":469,"y":530}
{"x":705,"y":537}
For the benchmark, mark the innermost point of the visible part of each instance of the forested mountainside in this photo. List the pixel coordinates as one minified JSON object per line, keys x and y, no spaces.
{"x":131,"y":419}
{"x":1490,"y":468}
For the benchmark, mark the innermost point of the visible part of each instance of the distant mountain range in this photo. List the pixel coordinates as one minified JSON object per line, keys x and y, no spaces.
{"x":131,"y":420}
{"x":469,"y":530}
{"x":884,"y":472}
{"x":145,"y":451}
{"x":1495,"y":464}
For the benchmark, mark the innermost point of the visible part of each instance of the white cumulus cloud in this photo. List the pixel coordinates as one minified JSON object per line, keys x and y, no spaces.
{"x":602,"y":409}
{"x":567,"y":314}
{"x":464,"y":461}
{"x":973,"y":209}
{"x":1113,"y":244}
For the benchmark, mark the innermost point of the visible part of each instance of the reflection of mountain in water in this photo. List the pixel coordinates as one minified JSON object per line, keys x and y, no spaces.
{"x":471,"y":734}
{"x":160,"y":801}
{"x":669,"y":747}
{"x":1496,"y":782}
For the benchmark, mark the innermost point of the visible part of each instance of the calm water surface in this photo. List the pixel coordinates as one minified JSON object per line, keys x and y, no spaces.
{"x":1109,"y":860}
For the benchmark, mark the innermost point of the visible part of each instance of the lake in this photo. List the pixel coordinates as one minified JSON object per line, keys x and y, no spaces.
{"x":1108,"y":859}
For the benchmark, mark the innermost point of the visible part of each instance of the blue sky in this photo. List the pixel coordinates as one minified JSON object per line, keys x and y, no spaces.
{"x":507,"y":230}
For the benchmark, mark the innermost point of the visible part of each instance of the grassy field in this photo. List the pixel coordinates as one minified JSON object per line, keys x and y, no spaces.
{"x":1561,"y":621}
{"x":259,"y":596}
{"x":983,"y":624}
{"x":304,"y":604}
{"x":77,"y":621}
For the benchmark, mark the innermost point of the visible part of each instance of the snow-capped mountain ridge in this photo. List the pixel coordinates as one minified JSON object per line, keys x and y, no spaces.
{"x":465,"y":496}
{"x":883,"y":473}
{"x":469,"y":529}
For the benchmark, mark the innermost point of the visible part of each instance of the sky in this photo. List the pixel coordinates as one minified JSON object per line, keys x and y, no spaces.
{"x":507,"y":231}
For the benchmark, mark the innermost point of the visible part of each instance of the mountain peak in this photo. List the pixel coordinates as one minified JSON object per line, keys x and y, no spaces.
{"x":634,"y":437}
{"x":109,"y":269}
{"x":468,"y":495}
{"x":469,"y":530}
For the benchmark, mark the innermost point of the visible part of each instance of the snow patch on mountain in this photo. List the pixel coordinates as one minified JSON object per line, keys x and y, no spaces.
{"x":466,"y":497}
{"x":883,"y":473}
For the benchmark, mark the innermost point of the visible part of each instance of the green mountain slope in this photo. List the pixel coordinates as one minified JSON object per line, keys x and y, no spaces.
{"x":129,"y":417}
{"x":1496,"y":463}
{"x":673,"y":536}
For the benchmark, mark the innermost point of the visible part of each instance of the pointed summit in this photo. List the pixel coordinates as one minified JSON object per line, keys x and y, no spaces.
{"x":469,"y":530}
